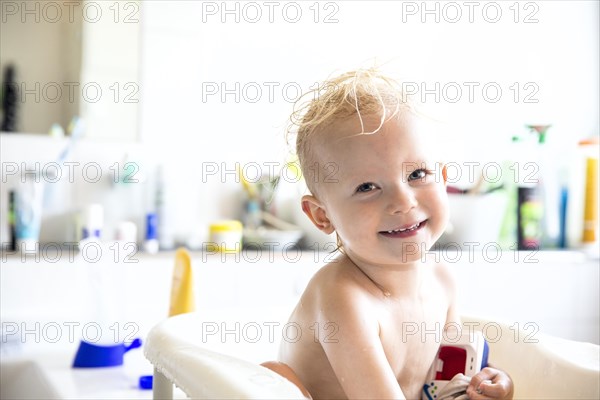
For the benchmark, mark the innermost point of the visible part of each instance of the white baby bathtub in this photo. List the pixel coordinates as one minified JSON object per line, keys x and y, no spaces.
{"x":216,"y":357}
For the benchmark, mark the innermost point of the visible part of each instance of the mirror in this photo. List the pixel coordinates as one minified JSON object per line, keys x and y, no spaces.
{"x":69,"y":59}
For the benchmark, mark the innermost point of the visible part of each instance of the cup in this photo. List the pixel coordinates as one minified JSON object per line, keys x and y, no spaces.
{"x":474,"y":218}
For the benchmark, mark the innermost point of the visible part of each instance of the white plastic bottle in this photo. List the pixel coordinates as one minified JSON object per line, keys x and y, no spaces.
{"x":166,"y":235}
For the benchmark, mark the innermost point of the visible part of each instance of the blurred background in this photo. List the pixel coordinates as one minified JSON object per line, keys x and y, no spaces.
{"x":174,"y":99}
{"x":137,"y":127}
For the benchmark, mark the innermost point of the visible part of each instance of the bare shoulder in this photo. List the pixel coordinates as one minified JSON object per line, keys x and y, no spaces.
{"x":337,"y":290}
{"x":343,"y":357}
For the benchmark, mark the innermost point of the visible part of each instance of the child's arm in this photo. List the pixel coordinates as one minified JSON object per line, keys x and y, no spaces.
{"x":489,"y":383}
{"x":355,"y":352}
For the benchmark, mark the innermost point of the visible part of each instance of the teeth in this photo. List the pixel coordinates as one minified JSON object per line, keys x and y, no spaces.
{"x":412,"y":228}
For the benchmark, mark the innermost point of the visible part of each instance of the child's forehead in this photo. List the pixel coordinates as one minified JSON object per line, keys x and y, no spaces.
{"x":402,"y":130}
{"x":405,"y":140}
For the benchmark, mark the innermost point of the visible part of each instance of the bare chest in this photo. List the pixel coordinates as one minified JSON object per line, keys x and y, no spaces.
{"x":411,"y":335}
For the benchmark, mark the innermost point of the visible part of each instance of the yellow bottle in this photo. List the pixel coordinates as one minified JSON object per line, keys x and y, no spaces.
{"x":182,"y":289}
{"x":590,"y":214}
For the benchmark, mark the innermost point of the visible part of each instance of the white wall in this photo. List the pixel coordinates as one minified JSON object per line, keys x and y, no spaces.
{"x":187,"y":48}
{"x":136,"y":289}
{"x":110,"y":57}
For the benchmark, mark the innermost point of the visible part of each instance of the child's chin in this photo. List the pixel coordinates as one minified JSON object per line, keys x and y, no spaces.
{"x":409,"y":258}
{"x":409,"y":252}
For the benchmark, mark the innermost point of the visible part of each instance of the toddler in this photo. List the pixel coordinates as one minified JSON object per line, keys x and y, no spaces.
{"x":373,"y":181}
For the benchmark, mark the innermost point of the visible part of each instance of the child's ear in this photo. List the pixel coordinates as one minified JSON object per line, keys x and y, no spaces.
{"x":444,"y":174}
{"x":313,"y":208}
{"x":441,"y":167}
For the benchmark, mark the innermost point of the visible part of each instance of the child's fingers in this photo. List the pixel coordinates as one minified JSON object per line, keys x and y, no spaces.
{"x":473,"y":389}
{"x":488,"y":384}
{"x":486,"y":374}
{"x":488,"y":389}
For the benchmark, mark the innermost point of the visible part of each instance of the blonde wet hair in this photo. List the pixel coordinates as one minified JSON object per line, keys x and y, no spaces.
{"x":361,"y":93}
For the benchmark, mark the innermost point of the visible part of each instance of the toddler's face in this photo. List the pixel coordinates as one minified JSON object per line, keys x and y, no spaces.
{"x":385,"y":196}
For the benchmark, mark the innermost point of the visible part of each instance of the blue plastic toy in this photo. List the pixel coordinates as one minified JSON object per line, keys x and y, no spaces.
{"x":91,"y":355}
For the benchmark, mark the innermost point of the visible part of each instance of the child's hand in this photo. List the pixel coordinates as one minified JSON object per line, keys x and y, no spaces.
{"x":490,"y":383}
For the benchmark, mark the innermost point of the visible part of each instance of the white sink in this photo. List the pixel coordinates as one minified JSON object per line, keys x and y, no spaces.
{"x":49,"y":375}
{"x":25,"y":379}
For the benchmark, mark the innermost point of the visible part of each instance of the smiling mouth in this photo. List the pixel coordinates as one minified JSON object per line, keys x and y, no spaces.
{"x":405,"y":232}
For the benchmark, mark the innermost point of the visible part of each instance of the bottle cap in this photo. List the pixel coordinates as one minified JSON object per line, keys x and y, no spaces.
{"x":145,"y":382}
{"x":226,"y":226}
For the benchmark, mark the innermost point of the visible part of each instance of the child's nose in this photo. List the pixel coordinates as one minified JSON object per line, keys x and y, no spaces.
{"x":401,"y":200}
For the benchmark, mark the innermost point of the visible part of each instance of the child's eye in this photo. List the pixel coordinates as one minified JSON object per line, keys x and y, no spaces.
{"x":418,"y":174}
{"x":365,"y":187}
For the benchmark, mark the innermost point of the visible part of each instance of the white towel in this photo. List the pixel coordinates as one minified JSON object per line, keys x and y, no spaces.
{"x":456,"y":389}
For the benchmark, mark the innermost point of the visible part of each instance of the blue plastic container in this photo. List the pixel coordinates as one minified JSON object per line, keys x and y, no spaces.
{"x":91,"y":355}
